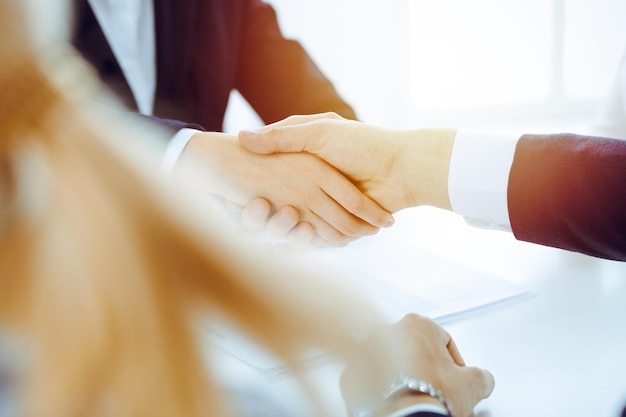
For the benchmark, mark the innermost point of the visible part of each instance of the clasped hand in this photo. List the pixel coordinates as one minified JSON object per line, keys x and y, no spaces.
{"x":317,"y":194}
{"x":322,"y":178}
{"x":397,"y":169}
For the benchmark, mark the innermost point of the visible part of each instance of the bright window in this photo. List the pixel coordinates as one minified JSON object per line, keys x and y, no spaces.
{"x":404,"y":63}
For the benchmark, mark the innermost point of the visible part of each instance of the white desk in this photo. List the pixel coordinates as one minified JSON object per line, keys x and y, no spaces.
{"x":559,"y":353}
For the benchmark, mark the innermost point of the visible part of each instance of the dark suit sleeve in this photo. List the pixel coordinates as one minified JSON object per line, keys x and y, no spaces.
{"x":276,"y":75}
{"x":569,"y":192}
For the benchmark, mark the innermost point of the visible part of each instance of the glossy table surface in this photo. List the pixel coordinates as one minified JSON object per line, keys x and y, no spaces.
{"x":560,"y":352}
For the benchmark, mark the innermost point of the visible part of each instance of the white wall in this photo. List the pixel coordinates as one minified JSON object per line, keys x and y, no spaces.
{"x":460,"y":62}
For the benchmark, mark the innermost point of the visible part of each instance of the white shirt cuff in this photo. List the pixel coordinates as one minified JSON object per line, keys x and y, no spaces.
{"x":479,"y":175}
{"x":431,"y":408}
{"x":175,"y":148}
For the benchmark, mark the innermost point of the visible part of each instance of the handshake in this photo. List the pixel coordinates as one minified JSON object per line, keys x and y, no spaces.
{"x":340,"y":179}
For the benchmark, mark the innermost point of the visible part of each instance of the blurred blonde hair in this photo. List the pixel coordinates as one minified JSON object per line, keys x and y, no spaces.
{"x":104,"y":271}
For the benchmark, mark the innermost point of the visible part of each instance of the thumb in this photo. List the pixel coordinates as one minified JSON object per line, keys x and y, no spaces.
{"x":274,"y":140}
{"x":484,"y":380}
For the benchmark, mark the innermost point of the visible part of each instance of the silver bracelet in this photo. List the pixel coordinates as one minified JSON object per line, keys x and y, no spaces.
{"x":399,"y":386}
{"x":406,"y":384}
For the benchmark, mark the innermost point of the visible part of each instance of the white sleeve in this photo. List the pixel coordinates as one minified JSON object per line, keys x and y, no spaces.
{"x":175,"y":148}
{"x":479,"y":175}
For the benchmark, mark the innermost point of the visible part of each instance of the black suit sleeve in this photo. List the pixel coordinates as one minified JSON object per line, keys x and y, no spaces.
{"x":569,"y":192}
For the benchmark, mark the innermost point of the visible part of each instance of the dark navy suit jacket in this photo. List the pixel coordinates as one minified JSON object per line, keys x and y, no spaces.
{"x":207,"y":48}
{"x":569,"y":191}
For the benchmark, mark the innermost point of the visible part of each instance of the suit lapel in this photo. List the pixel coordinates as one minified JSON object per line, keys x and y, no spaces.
{"x":88,"y":38}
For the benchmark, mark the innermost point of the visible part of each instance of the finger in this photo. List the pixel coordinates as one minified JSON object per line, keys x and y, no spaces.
{"x":490,"y":382}
{"x":338,"y":218}
{"x":325,"y":234}
{"x":348,"y":196}
{"x":309,"y":136}
{"x":300,"y":119}
{"x":301,"y":236}
{"x":276,"y":140}
{"x":483,"y":380}
{"x":281,"y":222}
{"x":256,"y":214}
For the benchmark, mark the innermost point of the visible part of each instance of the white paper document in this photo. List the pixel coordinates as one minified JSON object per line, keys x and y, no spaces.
{"x":401,"y":279}
{"x":398,"y":278}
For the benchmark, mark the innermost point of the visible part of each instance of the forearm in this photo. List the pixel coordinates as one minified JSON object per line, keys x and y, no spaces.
{"x":277,"y":76}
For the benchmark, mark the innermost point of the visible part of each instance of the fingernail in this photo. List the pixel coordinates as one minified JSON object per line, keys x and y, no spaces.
{"x":390,"y":222}
{"x":258,"y":208}
{"x":286,"y":219}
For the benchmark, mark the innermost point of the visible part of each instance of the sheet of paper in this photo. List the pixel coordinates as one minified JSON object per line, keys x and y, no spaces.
{"x":399,"y":278}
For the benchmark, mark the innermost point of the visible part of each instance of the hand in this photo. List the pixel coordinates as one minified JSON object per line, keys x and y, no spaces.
{"x":398,"y":169}
{"x":324,"y":198}
{"x":419,"y":348}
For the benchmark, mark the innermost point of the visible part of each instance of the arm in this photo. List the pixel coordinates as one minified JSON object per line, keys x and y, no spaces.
{"x":560,"y":190}
{"x":569,"y":191}
{"x":399,"y":169}
{"x":563,"y":190}
{"x":276,"y":75}
{"x":250,"y":54}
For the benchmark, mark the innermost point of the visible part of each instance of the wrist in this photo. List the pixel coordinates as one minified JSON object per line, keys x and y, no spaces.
{"x":410,"y":400}
{"x":425,"y":164}
{"x":204,"y":160}
{"x":405,"y":392}
{"x":175,"y":148}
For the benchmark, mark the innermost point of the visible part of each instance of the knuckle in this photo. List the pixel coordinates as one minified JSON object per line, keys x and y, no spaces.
{"x":411,"y":318}
{"x":276,"y":130}
{"x":357,"y":203}
{"x":350,"y":227}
